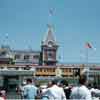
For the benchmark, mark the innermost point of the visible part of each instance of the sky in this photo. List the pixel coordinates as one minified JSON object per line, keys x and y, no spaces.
{"x":23,"y":25}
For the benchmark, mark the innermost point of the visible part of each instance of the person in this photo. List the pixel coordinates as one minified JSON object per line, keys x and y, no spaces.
{"x":54,"y":92}
{"x":67,"y":89}
{"x":49,"y":84}
{"x":95,"y":92}
{"x":1,"y":96}
{"x":20,"y":89}
{"x":30,"y":90}
{"x":81,"y":92}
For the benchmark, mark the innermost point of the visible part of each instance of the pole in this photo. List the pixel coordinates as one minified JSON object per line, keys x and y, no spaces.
{"x":87,"y":67}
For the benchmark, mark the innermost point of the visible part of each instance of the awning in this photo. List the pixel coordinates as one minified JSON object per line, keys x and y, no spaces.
{"x":16,"y":72}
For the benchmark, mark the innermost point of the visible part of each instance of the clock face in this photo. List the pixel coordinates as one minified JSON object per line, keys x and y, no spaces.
{"x":50,"y":43}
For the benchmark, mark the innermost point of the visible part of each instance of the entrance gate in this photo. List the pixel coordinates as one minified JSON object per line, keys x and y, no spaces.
{"x":13,"y":78}
{"x":10,"y":83}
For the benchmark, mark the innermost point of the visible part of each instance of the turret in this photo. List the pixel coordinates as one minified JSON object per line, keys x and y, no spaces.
{"x":49,"y":48}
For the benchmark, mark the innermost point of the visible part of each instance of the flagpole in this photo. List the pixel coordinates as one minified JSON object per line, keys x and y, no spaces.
{"x":87,"y":61}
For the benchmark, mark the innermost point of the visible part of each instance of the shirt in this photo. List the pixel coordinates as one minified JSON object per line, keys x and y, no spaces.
{"x":55,"y":93}
{"x":30,"y":91}
{"x":81,"y":93}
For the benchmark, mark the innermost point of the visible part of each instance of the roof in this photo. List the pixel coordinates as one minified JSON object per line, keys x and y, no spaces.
{"x":50,"y":36}
{"x":25,"y":51}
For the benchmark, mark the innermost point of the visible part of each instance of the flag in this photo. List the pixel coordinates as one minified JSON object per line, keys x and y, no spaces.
{"x":88,"y":45}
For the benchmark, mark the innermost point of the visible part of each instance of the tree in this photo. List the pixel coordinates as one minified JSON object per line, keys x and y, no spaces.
{"x":11,"y":61}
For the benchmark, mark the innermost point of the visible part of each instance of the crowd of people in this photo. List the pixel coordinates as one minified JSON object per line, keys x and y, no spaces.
{"x":58,"y":90}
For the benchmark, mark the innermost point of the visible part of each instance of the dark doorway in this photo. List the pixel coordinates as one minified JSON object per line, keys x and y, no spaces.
{"x":10,"y":83}
{"x":5,"y":83}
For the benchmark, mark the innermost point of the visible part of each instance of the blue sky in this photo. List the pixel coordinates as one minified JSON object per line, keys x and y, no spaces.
{"x":75,"y":22}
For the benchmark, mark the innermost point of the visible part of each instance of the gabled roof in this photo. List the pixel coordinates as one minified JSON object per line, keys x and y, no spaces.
{"x":49,"y":36}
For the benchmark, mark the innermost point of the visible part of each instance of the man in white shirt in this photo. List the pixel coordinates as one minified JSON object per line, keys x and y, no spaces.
{"x":55,"y":92}
{"x":81,"y":92}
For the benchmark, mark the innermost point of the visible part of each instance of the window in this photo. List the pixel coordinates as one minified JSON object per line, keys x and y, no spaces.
{"x":36,"y":57}
{"x":69,"y":69}
{"x":50,"y":55}
{"x":17,"y":56}
{"x":40,"y":70}
{"x":45,"y":70}
{"x":53,"y":70}
{"x":26,"y":57}
{"x":63,"y":70}
{"x":3,"y":53}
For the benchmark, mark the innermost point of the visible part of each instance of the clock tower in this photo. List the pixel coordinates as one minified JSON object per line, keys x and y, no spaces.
{"x":49,"y":48}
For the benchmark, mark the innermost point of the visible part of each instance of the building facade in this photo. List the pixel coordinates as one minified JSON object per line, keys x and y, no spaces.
{"x":46,"y":55}
{"x":17,"y":65}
